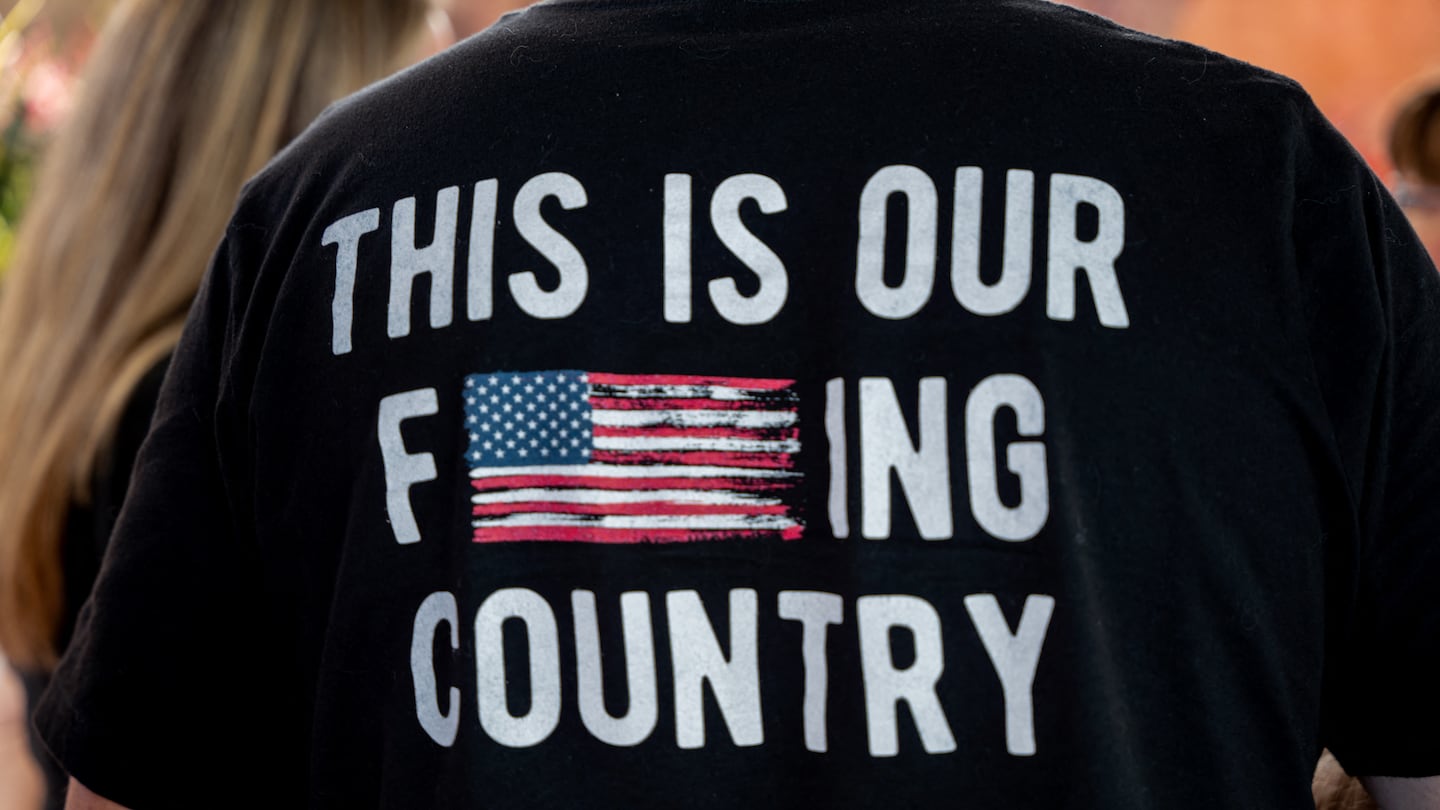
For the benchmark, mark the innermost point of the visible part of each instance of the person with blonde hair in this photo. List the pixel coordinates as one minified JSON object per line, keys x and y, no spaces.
{"x":181,"y":103}
{"x":749,"y":404}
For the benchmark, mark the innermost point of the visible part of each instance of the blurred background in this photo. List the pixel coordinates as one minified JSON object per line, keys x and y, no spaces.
{"x":1358,"y":58}
{"x":1361,"y":60}
{"x":43,"y":46}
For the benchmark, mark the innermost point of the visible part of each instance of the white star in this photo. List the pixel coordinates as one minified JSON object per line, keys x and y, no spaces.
{"x":475,"y":455}
{"x":469,"y":383}
{"x":524,"y":453}
{"x":550,"y":388}
{"x":515,"y":380}
{"x":474,"y":437}
{"x":575,"y":423}
{"x":560,"y":377}
{"x":489,"y":445}
{"x":534,"y":442}
{"x":544,"y":433}
{"x":504,"y":389}
{"x":520,"y":434}
{"x":529,"y":389}
{"x":510,"y":444}
{"x":532,"y":424}
{"x":574,"y":442}
{"x":484,"y":408}
{"x":470,"y":400}
{"x":554,"y":406}
{"x":500,"y":453}
{"x":471,"y":419}
{"x":539,"y":397}
{"x":494,"y":400}
{"x":494,"y":379}
{"x":544,"y":452}
{"x":574,"y":406}
{"x":530,"y":406}
{"x":574,"y":387}
{"x":509,"y":407}
{"x":509,"y":425}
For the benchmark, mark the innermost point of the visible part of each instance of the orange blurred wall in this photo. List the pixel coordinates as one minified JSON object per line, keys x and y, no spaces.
{"x":1356,"y":57}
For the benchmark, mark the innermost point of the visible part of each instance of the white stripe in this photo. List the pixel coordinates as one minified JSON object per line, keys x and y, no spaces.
{"x":703,"y":497}
{"x":685,"y":419}
{"x":698,"y":522}
{"x":638,"y":444}
{"x":632,"y":471}
{"x":718,"y":392}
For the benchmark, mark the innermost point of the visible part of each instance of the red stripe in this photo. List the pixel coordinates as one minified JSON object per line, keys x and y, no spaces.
{"x":652,"y":508}
{"x":587,"y":482}
{"x":688,"y":404}
{"x":756,"y":434}
{"x":680,"y":379}
{"x":767,"y":461}
{"x":585,"y":534}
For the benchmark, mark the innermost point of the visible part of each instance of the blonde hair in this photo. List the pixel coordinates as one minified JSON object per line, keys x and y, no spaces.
{"x":182,"y":101}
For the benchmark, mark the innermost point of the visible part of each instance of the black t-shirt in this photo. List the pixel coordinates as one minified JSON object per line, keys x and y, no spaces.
{"x":87,"y":532}
{"x":835,"y":404}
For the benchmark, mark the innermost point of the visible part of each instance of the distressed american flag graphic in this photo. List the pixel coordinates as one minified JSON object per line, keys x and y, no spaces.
{"x":616,"y":458}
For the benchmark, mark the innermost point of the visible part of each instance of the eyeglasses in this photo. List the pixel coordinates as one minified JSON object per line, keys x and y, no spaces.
{"x":1417,"y":196}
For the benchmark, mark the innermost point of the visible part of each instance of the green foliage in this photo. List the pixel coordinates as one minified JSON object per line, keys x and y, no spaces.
{"x":17,"y":156}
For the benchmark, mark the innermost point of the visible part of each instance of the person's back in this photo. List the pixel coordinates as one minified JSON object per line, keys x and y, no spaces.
{"x":917,"y":405}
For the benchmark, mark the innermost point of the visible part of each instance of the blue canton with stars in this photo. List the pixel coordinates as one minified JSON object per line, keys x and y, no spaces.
{"x":518,"y":419}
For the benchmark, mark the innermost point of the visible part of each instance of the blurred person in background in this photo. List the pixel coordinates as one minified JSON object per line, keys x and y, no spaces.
{"x":21,"y":784}
{"x":1214,"y":553}
{"x":1415,"y":150}
{"x":181,"y":103}
{"x":1334,"y":789}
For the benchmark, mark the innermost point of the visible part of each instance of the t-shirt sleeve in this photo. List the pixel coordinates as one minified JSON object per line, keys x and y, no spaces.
{"x":162,"y":696}
{"x":1371,"y":299}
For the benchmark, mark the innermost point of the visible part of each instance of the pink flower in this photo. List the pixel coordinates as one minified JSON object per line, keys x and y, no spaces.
{"x":48,"y":94}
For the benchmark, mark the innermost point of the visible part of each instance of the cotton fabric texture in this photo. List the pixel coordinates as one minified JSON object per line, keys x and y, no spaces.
{"x":976,"y":403}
